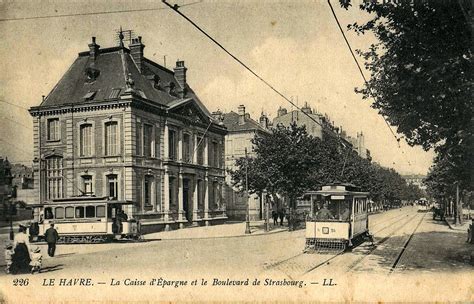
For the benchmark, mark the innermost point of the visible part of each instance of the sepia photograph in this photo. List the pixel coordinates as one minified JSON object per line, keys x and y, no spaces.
{"x":236,"y":151}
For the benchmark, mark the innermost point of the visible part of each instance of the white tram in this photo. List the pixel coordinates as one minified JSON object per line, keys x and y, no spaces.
{"x":338,"y":217}
{"x":84,"y":220}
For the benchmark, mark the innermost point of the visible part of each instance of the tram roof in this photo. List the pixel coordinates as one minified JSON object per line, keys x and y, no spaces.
{"x":83,"y":201}
{"x":337,"y":192}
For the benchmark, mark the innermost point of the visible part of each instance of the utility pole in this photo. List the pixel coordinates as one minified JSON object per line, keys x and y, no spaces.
{"x":247,"y":217}
{"x":458,"y":208}
{"x":267,"y":210}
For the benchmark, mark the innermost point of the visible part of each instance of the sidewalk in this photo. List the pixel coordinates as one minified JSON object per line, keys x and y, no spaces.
{"x":437,"y":248}
{"x":217,"y":231}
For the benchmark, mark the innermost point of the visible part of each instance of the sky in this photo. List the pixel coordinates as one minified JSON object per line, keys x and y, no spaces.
{"x":294,"y":45}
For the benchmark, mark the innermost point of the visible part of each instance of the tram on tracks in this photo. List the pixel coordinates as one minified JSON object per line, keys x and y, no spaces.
{"x":84,"y":220}
{"x":338,"y":218}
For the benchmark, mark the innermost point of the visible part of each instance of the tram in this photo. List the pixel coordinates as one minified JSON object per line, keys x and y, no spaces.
{"x":338,"y":218}
{"x":84,"y":220}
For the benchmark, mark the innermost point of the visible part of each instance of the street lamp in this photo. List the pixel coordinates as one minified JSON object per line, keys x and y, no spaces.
{"x":247,"y":217}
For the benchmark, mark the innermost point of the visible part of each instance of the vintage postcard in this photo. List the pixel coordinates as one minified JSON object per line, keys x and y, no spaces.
{"x":236,"y":151}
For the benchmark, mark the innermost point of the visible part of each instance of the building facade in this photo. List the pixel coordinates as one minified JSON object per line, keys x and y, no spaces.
{"x":415,"y":179}
{"x":241,"y":130}
{"x":320,"y":126}
{"x":118,"y":125}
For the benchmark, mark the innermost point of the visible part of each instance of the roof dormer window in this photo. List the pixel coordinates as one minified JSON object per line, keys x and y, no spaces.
{"x":90,"y":95}
{"x":91,"y":74}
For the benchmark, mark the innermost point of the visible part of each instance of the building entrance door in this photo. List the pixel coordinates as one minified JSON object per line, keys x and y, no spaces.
{"x":187,"y":205}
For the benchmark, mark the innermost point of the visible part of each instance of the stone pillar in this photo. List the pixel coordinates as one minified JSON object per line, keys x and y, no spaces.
{"x":206,"y":150}
{"x":206,"y":200}
{"x":166,"y":148}
{"x":180,"y":201}
{"x":167,"y":199}
{"x":180,"y":145}
{"x":195,"y":201}
{"x":195,"y":148}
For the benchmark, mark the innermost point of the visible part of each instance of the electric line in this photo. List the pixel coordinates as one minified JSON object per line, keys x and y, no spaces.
{"x":175,"y":8}
{"x":26,"y":127}
{"x":92,"y":13}
{"x":13,"y":104}
{"x":360,"y":69}
{"x":15,"y":146}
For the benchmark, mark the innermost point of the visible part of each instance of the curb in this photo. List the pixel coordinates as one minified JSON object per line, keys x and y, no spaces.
{"x":450,"y":227}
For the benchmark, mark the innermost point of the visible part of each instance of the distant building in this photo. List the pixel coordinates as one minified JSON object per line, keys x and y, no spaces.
{"x":296,"y":116}
{"x":320,"y":126}
{"x":22,"y":176}
{"x":415,"y":179}
{"x":241,"y":130}
{"x":119,"y":125}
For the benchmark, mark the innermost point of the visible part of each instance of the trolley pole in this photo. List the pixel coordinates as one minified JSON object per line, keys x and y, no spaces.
{"x":247,"y":216}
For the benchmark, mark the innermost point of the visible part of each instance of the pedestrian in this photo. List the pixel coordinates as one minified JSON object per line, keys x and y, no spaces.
{"x":8,"y":256}
{"x":21,"y":256}
{"x":275,"y":217}
{"x":281,"y":215}
{"x":36,"y":260}
{"x":51,"y":236}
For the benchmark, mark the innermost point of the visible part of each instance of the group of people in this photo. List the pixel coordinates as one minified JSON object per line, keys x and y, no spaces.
{"x":21,"y":257}
{"x":280,"y":214}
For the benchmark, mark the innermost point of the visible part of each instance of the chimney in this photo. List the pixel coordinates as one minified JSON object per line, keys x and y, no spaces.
{"x":93,"y":49}
{"x":281,"y":112}
{"x":264,"y":121}
{"x":217,"y":115}
{"x":241,"y":111}
{"x":136,"y":51}
{"x":180,"y":75}
{"x":306,"y":109}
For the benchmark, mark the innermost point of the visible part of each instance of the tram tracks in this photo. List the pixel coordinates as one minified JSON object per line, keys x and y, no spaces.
{"x":296,"y":265}
{"x":357,"y":262}
{"x":397,"y":260}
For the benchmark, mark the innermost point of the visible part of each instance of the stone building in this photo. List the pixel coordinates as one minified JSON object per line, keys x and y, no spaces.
{"x":119,"y":125}
{"x":22,"y":176}
{"x":296,"y":116}
{"x":241,"y":130}
{"x":320,"y":126}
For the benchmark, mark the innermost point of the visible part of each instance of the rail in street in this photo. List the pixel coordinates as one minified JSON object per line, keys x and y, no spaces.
{"x":392,"y":235}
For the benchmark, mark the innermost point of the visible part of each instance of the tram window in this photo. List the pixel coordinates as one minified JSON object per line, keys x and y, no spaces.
{"x":90,"y":211}
{"x":59,"y":212}
{"x":79,"y":212}
{"x":100,"y":211}
{"x":48,"y":213}
{"x":69,"y":212}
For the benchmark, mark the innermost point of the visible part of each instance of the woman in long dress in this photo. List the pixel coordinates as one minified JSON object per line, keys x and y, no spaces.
{"x":21,"y":258}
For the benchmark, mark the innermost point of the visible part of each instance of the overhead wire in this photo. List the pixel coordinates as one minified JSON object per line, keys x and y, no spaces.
{"x":365,"y":79}
{"x":91,"y":13}
{"x":359,"y":68}
{"x":12,"y":104}
{"x":176,"y":7}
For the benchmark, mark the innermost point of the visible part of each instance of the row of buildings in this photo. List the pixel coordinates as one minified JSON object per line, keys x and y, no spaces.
{"x":119,"y":125}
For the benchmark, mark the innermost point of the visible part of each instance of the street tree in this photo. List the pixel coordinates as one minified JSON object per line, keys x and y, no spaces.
{"x":421,"y":80}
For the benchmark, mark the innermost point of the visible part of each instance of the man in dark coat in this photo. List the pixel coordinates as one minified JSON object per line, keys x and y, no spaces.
{"x":51,"y":236}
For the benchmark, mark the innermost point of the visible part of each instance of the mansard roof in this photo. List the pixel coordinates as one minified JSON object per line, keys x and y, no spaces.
{"x":109,"y":80}
{"x":104,"y":78}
